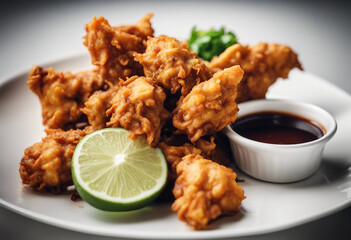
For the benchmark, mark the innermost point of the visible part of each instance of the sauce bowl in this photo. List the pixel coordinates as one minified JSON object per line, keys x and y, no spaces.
{"x":281,"y":163}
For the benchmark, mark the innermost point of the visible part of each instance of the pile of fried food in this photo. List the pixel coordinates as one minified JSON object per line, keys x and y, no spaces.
{"x":155,"y":87}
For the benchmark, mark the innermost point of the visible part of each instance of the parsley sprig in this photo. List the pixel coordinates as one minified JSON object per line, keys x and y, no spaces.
{"x":208,"y":44}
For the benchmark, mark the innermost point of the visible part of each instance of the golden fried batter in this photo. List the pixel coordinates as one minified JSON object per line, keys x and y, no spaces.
{"x":142,"y":28}
{"x":177,"y":147}
{"x":262,"y":63}
{"x":47,"y":165}
{"x":204,"y":190}
{"x":112,"y":48}
{"x":138,"y":107}
{"x":172,"y":64}
{"x":207,"y":147}
{"x":174,"y":155}
{"x":210,"y":106}
{"x":62,"y":95}
{"x":97,"y":105}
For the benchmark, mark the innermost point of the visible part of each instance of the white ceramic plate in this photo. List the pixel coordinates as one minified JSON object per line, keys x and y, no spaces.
{"x":268,"y":207}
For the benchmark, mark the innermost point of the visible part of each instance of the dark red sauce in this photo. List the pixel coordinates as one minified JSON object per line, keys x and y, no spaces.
{"x":277,"y":128}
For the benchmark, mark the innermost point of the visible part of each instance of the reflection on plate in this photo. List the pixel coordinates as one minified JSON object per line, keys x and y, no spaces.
{"x":268,"y":207}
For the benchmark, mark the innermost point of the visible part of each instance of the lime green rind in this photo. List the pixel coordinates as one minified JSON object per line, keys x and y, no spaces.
{"x":127,"y":202}
{"x":106,"y":205}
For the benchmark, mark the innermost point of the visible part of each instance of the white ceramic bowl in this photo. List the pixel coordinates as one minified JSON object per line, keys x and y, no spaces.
{"x":277,"y":162}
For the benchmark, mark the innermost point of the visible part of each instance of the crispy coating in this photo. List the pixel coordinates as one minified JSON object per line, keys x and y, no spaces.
{"x":138,"y":107}
{"x":174,"y":155}
{"x":172,"y":64}
{"x":262,"y":63}
{"x":142,"y":28}
{"x":62,"y":95}
{"x":97,"y":105}
{"x":210,"y":106}
{"x":211,"y":148}
{"x":112,"y":48}
{"x":177,"y":147}
{"x":204,"y":190}
{"x":46,"y":165}
{"x":207,"y":147}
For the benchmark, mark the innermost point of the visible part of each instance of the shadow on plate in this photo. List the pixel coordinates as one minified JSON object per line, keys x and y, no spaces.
{"x":329,"y":171}
{"x":223,"y":221}
{"x":149,"y":213}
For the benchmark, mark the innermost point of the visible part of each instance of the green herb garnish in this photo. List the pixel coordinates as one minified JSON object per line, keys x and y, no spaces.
{"x":208,"y":44}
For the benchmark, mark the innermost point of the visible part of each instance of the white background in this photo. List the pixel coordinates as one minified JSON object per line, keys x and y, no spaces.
{"x":33,"y":32}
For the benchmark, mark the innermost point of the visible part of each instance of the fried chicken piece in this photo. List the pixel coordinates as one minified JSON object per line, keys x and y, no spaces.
{"x":210,"y":106}
{"x":172,"y":64}
{"x":97,"y":105}
{"x":204,"y":190}
{"x":174,"y":155}
{"x":142,"y":28}
{"x":62,"y":95}
{"x":112,"y":48}
{"x":210,"y":149}
{"x":178,"y":146}
{"x":138,"y":107}
{"x":262,"y":63}
{"x":175,"y":148}
{"x":46,"y":166}
{"x":206,"y":147}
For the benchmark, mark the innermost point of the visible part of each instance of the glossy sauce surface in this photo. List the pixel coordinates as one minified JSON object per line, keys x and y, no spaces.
{"x":277,"y":128}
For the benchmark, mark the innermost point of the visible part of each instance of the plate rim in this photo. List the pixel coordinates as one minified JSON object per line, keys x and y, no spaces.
{"x":148,"y":235}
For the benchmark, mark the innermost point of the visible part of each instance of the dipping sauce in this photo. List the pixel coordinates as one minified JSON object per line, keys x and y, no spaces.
{"x":277,"y":128}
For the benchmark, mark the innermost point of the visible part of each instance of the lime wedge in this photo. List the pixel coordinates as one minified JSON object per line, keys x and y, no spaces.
{"x":114,"y":173}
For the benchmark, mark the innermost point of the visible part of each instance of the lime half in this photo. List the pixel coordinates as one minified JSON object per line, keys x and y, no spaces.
{"x":114,"y":173}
